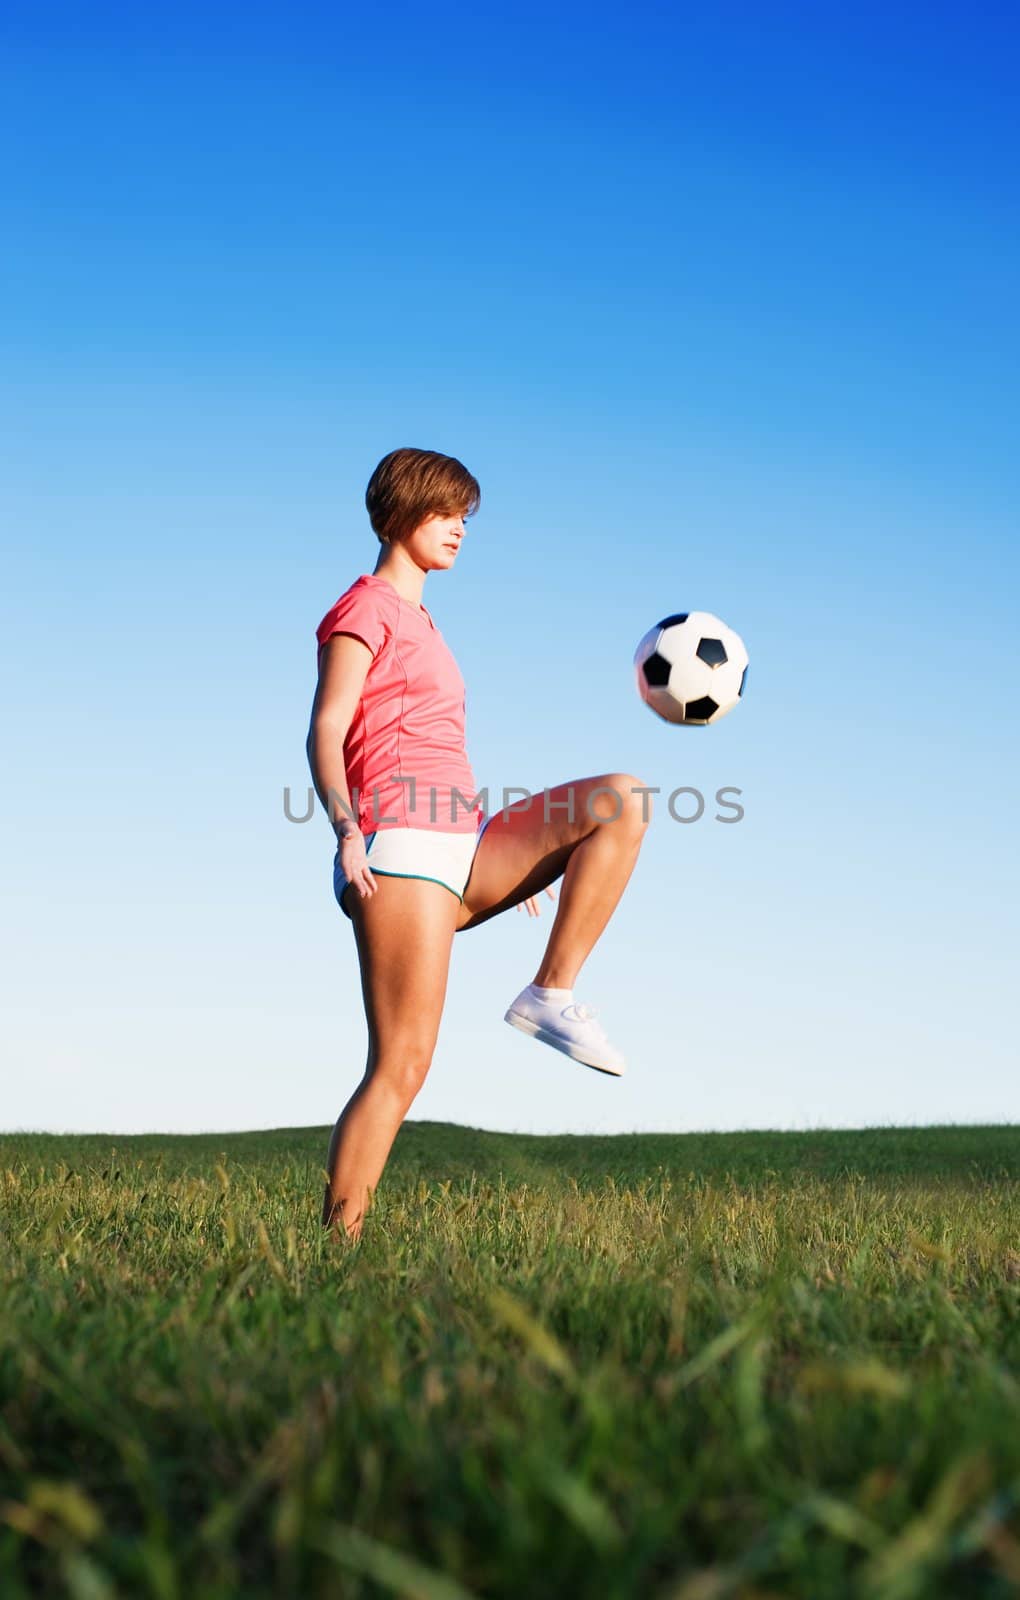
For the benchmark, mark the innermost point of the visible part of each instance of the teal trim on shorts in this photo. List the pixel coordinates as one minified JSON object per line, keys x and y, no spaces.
{"x":381,"y":872}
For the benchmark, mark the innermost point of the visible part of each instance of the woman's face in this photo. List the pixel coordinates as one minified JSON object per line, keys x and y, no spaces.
{"x":435,"y":542}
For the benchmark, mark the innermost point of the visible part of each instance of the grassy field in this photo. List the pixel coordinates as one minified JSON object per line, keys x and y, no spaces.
{"x":678,"y":1367}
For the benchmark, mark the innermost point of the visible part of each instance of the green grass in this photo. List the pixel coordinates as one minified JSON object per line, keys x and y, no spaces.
{"x":679,"y":1367}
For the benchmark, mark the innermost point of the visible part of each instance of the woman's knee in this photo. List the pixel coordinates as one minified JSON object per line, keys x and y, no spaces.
{"x":402,"y":1072}
{"x":624,"y":799}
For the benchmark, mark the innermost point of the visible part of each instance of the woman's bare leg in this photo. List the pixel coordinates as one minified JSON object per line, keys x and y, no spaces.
{"x":595,"y":877}
{"x":404,"y":934}
{"x":594,"y":846}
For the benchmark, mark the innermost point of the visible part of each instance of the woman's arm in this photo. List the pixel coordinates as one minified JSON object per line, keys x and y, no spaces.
{"x":343,"y":668}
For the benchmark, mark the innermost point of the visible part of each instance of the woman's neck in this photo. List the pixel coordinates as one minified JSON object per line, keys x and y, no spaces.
{"x":398,"y":569}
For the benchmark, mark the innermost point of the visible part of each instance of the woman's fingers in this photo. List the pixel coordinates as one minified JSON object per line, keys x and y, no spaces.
{"x":354,"y":864}
{"x":531,"y":903}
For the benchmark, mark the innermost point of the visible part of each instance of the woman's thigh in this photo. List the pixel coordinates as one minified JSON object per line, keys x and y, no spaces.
{"x":404,"y":932}
{"x":527,"y":846}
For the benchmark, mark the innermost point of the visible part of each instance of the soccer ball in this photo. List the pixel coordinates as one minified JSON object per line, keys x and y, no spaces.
{"x":691,"y":668}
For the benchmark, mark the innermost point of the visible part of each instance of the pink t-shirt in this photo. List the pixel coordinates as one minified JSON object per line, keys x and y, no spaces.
{"x":410,"y":720}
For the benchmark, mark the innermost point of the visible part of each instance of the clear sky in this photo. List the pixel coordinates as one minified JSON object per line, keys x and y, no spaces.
{"x":720,"y":306}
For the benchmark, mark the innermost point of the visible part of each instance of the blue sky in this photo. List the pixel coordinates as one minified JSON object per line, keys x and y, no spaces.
{"x":721,"y":310}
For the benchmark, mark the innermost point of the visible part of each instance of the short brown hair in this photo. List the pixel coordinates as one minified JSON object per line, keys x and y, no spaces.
{"x":409,"y":485}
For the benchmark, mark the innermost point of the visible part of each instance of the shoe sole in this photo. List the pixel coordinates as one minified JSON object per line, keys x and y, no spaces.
{"x":564,"y":1045}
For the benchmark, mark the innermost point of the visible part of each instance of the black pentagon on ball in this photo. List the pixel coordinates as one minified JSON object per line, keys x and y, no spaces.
{"x":743,"y":680}
{"x":669,"y":622}
{"x":656,"y":670}
{"x":712,"y":652}
{"x":700,"y":710}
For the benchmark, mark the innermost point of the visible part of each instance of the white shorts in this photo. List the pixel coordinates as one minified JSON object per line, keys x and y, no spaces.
{"x":431,"y":853}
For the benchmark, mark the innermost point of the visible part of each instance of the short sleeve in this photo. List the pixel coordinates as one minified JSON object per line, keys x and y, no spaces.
{"x":360,"y":612}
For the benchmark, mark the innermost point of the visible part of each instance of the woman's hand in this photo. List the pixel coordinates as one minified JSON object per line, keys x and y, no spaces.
{"x":354,"y":861}
{"x":532,"y":903}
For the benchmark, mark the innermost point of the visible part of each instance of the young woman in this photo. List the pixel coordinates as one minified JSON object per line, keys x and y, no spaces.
{"x":417,"y":861}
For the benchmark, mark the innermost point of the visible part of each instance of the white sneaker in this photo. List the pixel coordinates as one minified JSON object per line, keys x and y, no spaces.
{"x":571,"y":1028}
